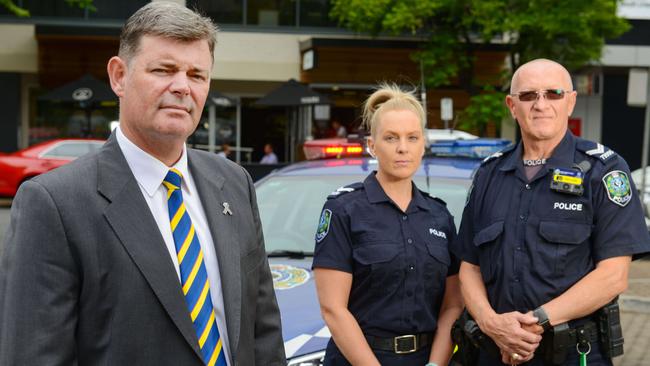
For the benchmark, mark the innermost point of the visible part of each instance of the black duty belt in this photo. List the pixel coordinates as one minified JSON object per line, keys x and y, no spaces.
{"x":401,"y":344}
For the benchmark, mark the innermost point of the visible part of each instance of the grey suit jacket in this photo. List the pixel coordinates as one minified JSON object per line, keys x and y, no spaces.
{"x":85,"y":276}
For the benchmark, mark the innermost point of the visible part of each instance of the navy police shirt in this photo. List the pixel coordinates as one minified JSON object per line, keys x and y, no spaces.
{"x":533,"y":241}
{"x":399,"y":260}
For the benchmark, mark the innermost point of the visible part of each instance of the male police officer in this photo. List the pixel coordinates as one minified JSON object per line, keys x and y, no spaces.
{"x":548,"y":233}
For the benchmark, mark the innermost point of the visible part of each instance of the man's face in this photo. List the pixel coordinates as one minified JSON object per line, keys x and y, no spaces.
{"x":163,"y":89}
{"x":542,"y":119}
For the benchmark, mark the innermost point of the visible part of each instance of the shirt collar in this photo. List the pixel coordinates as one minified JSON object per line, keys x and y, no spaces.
{"x":149,"y":171}
{"x":562,"y":155}
{"x":373,"y":189}
{"x":376,"y":194}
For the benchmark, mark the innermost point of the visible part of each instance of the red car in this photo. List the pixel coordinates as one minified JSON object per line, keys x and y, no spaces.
{"x":22,"y":165}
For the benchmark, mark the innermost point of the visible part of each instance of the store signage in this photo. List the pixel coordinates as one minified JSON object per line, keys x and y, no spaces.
{"x":82,"y":94}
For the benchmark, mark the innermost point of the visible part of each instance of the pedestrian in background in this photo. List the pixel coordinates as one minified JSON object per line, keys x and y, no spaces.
{"x":387,"y":283}
{"x":548,"y":233}
{"x":269,"y":156}
{"x":145,"y":253}
{"x":225,"y":151}
{"x":339,"y":129}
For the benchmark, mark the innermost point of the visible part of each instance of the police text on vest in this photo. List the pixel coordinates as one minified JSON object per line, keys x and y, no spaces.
{"x":567,"y":206}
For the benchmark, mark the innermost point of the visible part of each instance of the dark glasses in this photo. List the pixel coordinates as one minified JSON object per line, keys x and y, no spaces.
{"x":532,"y":95}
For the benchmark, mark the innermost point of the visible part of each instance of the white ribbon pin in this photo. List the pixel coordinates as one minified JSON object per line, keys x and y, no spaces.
{"x":226,"y":209}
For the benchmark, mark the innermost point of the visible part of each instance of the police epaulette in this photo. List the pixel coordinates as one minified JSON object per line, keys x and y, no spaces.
{"x":499,"y":153}
{"x":427,"y":194}
{"x":596,"y":150}
{"x":343,"y":190}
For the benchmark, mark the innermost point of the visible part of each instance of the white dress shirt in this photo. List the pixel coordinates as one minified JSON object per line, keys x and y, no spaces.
{"x":150,"y":173}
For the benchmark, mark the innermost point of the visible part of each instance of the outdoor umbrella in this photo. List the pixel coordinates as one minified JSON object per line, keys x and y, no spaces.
{"x":87,"y":91}
{"x":292,"y":94}
{"x":298,"y":96}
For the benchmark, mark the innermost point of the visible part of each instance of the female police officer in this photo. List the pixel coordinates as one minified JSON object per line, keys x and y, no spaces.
{"x":387,"y":283}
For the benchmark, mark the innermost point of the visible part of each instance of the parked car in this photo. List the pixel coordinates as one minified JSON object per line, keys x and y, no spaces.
{"x":290,"y":201}
{"x":17,"y":167}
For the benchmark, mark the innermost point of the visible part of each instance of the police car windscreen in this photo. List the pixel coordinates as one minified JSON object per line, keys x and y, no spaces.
{"x":290,"y":206}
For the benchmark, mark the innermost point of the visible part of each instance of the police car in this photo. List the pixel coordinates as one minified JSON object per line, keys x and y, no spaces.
{"x":290,"y":201}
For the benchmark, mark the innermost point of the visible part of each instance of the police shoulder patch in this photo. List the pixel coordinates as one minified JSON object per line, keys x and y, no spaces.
{"x":323,"y":225}
{"x":347,"y":189}
{"x":618,"y":187}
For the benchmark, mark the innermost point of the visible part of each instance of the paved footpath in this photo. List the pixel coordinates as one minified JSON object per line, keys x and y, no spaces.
{"x":635,"y":303}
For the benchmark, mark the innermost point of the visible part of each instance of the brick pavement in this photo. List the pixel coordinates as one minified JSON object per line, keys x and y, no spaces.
{"x":636,"y":331}
{"x":635,"y":317}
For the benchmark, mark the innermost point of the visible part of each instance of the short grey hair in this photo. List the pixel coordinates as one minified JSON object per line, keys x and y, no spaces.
{"x":167,"y":20}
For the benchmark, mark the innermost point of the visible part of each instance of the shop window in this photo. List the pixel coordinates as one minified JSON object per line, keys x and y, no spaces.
{"x":315,"y":13}
{"x":221,"y":11}
{"x":271,"y":13}
{"x":106,"y":9}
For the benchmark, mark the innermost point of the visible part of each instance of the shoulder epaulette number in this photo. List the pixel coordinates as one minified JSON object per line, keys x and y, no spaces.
{"x":596,"y":150}
{"x":499,"y":154}
{"x":346,"y":189}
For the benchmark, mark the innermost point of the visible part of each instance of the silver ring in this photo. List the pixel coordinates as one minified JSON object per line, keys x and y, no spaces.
{"x":515,"y":356}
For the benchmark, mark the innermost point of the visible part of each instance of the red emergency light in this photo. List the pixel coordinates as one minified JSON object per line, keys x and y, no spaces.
{"x":331,"y":148}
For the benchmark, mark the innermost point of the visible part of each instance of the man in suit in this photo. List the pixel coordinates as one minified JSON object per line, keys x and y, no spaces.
{"x":146,"y":253}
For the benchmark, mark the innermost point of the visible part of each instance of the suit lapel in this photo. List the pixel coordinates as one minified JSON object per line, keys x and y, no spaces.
{"x":130,"y":217}
{"x":224,"y":234}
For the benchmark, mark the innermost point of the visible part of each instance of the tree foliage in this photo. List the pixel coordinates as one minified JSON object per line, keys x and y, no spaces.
{"x":22,"y":12}
{"x":570,"y":32}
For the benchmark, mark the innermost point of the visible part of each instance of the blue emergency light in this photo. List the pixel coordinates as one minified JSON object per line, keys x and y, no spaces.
{"x":477,"y":148}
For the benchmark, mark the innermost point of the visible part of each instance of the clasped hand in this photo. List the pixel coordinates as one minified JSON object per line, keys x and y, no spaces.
{"x":516,"y":334}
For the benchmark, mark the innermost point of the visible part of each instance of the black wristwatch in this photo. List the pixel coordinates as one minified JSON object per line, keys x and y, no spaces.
{"x":542,"y":318}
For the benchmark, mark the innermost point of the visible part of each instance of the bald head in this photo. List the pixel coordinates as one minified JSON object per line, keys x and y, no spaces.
{"x":541,"y":67}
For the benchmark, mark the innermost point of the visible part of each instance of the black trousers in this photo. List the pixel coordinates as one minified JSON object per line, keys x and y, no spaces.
{"x":333,"y":357}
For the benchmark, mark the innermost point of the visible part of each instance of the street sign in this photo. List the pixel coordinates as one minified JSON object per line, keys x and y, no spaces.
{"x":446,"y":109}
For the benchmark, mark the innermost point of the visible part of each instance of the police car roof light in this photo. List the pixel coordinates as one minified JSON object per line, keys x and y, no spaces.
{"x":477,"y":148}
{"x":331,"y":148}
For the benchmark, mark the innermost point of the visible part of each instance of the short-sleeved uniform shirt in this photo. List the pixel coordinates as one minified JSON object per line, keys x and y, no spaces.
{"x":532,"y":242}
{"x":399,"y":260}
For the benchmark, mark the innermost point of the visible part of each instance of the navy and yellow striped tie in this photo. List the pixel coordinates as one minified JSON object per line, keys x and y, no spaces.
{"x":194,"y":277}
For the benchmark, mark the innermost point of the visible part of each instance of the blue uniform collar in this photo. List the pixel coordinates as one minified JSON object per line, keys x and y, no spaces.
{"x":562,"y":155}
{"x":376,"y":194}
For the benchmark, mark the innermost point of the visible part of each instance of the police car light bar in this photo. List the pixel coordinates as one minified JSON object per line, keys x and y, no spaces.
{"x":331,"y":148}
{"x":477,"y":148}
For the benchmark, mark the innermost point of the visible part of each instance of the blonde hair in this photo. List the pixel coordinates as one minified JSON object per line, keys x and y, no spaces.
{"x":390,"y":97}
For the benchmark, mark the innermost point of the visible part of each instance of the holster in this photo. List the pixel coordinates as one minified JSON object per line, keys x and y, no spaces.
{"x":604,"y":327}
{"x":469,"y":338}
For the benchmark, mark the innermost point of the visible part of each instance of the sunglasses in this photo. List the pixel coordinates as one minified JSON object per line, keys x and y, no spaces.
{"x":533,"y":95}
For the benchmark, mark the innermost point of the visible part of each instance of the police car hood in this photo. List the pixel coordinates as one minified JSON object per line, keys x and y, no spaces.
{"x":303,"y":329}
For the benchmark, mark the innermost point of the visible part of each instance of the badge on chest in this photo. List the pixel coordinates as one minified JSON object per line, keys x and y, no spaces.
{"x":568,"y":181}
